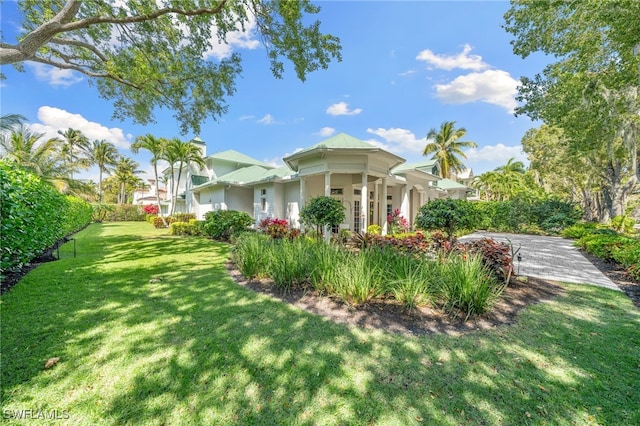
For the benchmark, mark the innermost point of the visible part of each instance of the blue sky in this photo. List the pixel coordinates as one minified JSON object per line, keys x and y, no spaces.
{"x":407,"y":67}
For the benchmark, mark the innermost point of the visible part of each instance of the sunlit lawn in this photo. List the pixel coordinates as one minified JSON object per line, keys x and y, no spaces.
{"x":150,"y":329}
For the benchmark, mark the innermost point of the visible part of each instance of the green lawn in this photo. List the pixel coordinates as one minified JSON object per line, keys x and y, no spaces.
{"x":196,"y":348}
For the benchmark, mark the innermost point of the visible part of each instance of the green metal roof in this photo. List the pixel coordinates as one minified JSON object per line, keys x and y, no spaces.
{"x":450,"y":184}
{"x":244,"y":175}
{"x":233,"y":156}
{"x":339,"y":141}
{"x":198,"y":180}
{"x":425,"y":166}
{"x":280,"y":172}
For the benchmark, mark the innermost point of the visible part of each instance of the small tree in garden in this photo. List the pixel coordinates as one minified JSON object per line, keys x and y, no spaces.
{"x":322,"y":211}
{"x":397,"y":223}
{"x":447,"y":215}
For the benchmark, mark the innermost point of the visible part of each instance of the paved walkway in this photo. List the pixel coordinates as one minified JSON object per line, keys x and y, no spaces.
{"x":551,"y":258}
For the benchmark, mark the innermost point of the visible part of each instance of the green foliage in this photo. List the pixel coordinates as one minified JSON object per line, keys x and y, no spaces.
{"x":465,"y":285}
{"x":613,"y":247}
{"x":445,"y":214}
{"x":33,"y":216}
{"x":521,"y":215}
{"x":136,"y":73}
{"x":579,"y":230}
{"x":192,"y":227}
{"x":103,"y":212}
{"x":374,"y":229}
{"x":223,"y":224}
{"x":623,"y":224}
{"x":447,"y":148}
{"x":322,"y":211}
{"x":379,"y":271}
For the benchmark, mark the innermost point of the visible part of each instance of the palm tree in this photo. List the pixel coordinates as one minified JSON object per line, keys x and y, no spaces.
{"x":125,"y":176}
{"x":182,"y":153}
{"x":512,"y":166}
{"x":157,"y":148}
{"x":105,"y":155}
{"x":41,"y":157}
{"x":9,"y":121}
{"x":75,"y":144}
{"x":446,"y":147}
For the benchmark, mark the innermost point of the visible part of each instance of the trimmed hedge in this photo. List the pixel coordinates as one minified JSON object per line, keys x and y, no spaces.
{"x":34,"y":215}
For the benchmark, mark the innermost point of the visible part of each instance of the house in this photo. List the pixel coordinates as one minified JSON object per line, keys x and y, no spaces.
{"x":369,"y":181}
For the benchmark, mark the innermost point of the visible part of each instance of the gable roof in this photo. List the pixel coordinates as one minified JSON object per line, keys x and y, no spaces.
{"x":424,"y":166}
{"x":450,"y":184}
{"x":243,"y":175}
{"x":233,"y":156}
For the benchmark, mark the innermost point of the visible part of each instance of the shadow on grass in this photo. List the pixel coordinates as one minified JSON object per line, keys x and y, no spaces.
{"x":150,"y":329}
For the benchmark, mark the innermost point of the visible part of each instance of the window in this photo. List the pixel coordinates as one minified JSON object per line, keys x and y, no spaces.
{"x":357,"y":192}
{"x":389,"y":197}
{"x":356,"y":216}
{"x":263,"y":199}
{"x":389,"y":209}
{"x":337,"y":191}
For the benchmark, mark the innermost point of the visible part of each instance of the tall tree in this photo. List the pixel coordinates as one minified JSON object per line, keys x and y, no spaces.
{"x":125,"y":176}
{"x":148,"y":54}
{"x":512,"y":166}
{"x":591,"y":91}
{"x":31,"y":151}
{"x":447,"y":148}
{"x":157,"y":148}
{"x":9,"y":121}
{"x":181,"y":154}
{"x":75,"y":150}
{"x":105,"y":155}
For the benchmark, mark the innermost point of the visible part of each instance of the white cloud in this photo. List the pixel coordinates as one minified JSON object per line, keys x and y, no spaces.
{"x":55,"y":76}
{"x":488,"y":157}
{"x":398,"y":140}
{"x":275,"y":161}
{"x":326,"y":131}
{"x":267,"y":119}
{"x":243,"y":39}
{"x":406,"y":73}
{"x":492,"y":86}
{"x":246,"y":117}
{"x":342,"y":108}
{"x":462,"y":60}
{"x":54,"y":119}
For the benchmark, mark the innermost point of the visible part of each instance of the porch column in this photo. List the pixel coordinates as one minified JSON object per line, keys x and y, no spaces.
{"x":404,"y":202}
{"x":383,"y":206}
{"x":327,"y":193}
{"x":376,"y":204}
{"x":364,"y":205}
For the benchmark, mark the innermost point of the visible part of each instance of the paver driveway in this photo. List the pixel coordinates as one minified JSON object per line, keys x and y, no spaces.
{"x":552,"y":258}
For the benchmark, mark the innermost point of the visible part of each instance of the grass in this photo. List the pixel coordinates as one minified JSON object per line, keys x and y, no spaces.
{"x":195,"y":348}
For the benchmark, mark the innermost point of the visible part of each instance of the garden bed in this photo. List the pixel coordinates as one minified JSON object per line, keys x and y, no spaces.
{"x":389,"y":315}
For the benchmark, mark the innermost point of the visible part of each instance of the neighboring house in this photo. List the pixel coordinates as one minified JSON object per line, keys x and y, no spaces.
{"x":465,"y":177}
{"x":369,"y":181}
{"x":146,"y":194}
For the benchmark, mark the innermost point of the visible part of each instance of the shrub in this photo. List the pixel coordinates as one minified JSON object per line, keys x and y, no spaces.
{"x":623,"y":224}
{"x":322,"y":211}
{"x":466,"y":285}
{"x":447,"y":215}
{"x":151,"y":209}
{"x":182,"y":217}
{"x":275,"y":228}
{"x":33,"y":216}
{"x":374,"y":229}
{"x":183,"y":228}
{"x":398,"y":224}
{"x":119,"y":213}
{"x":417,"y":244}
{"x":101,"y":211}
{"x":495,"y":256}
{"x":251,"y":254}
{"x":357,"y":280}
{"x":223,"y":224}
{"x":579,"y":230}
